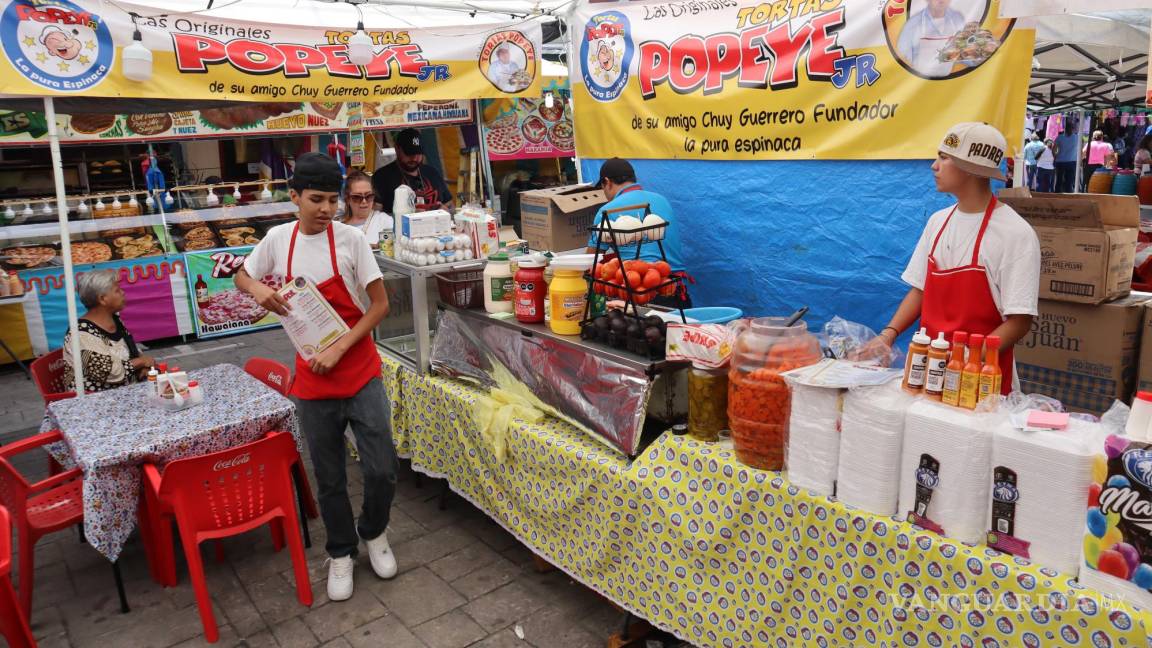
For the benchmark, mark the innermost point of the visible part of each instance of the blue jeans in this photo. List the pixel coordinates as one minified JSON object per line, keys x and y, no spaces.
{"x":1044,"y":180}
{"x":323,"y":422}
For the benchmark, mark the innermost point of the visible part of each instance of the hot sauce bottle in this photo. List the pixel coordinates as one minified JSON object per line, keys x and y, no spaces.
{"x":970,"y":378}
{"x":951,"y":395}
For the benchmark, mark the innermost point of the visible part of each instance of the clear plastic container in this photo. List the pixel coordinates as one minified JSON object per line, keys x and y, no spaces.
{"x":759,"y":403}
{"x":707,"y":403}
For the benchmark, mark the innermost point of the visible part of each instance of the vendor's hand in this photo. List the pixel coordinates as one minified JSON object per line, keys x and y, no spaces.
{"x":327,"y":359}
{"x":270,"y":299}
{"x":143,"y":362}
{"x":878,"y":349}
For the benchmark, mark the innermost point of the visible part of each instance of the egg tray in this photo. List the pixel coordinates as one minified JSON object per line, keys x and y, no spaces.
{"x":608,"y":234}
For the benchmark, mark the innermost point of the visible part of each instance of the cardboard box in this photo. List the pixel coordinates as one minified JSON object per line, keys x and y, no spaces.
{"x":558,"y":218}
{"x":431,"y":223}
{"x":1144,"y":366}
{"x":1087,"y":243}
{"x":1081,"y":354}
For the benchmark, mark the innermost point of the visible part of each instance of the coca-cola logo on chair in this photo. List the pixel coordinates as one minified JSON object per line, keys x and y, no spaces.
{"x":238,"y":460}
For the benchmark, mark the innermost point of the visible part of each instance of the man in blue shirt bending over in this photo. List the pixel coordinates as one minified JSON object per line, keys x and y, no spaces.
{"x":618,"y":182}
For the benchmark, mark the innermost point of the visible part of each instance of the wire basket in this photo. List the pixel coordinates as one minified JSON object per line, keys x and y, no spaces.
{"x":461,"y":288}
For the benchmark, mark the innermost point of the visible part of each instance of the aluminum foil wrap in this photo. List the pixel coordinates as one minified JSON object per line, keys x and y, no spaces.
{"x":605,"y":398}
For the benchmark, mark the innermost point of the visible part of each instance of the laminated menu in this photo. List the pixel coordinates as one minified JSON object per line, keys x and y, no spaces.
{"x":311,"y":323}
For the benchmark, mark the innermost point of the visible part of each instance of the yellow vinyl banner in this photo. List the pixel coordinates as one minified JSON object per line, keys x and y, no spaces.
{"x":793,"y":79}
{"x":76,"y":47}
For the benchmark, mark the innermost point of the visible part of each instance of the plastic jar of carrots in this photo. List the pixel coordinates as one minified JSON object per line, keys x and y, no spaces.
{"x":759,"y":403}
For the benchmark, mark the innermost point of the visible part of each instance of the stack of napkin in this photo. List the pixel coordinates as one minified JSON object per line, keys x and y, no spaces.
{"x":871,"y":436}
{"x":961,"y":442}
{"x":814,"y":438}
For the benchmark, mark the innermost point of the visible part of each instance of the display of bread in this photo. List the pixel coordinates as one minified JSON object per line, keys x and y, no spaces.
{"x":234,"y":236}
{"x":134,"y":247}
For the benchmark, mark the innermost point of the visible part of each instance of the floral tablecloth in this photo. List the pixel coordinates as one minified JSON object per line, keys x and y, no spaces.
{"x":111,"y":434}
{"x":723,"y":555}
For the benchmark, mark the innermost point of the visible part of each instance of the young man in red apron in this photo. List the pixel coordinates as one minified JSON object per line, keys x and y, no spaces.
{"x":976,"y":267}
{"x":341,"y":386}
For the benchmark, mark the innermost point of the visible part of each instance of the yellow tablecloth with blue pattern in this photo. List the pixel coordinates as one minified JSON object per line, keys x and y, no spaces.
{"x":722,"y":555}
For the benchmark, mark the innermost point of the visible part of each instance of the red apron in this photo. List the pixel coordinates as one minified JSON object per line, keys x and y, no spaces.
{"x":960,"y":299}
{"x":427,"y":196}
{"x":360,"y":364}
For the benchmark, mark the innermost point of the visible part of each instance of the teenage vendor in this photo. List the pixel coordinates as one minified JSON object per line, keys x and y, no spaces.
{"x":977,"y":265}
{"x":341,"y":386}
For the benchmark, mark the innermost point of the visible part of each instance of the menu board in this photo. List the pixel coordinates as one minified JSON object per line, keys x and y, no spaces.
{"x":218,"y":306}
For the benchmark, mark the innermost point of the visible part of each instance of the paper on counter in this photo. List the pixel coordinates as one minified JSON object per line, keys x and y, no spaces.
{"x":311,"y":323}
{"x":842,"y":374}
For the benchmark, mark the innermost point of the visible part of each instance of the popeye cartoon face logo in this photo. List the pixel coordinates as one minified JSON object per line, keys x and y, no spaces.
{"x":56,"y":45}
{"x":61,"y":43}
{"x":605,"y":56}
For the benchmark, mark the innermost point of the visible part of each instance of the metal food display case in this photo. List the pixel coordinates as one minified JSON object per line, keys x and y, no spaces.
{"x":406,"y":333}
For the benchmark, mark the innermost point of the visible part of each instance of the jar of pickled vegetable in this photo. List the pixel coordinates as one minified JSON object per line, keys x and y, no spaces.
{"x":759,"y":402}
{"x":707,"y":403}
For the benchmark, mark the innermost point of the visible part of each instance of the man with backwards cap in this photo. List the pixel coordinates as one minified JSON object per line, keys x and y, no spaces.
{"x":977,"y":265}
{"x":341,"y":386}
{"x":618,"y":182}
{"x":409,"y":169}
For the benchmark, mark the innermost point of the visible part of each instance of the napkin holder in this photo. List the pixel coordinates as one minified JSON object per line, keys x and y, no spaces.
{"x":173,"y":393}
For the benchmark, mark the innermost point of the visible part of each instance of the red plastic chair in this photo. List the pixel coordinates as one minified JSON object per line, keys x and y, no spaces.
{"x":13,"y":623}
{"x":227,"y":493}
{"x":48,"y":374}
{"x":279,"y":377}
{"x":41,"y":508}
{"x":271,"y":373}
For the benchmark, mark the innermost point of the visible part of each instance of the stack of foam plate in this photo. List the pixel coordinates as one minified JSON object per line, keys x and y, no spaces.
{"x":871,"y":437}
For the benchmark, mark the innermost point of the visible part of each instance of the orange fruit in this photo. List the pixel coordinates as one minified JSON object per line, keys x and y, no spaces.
{"x":663,"y":268}
{"x":641,"y":266}
{"x":635,"y":281}
{"x":652,"y":278}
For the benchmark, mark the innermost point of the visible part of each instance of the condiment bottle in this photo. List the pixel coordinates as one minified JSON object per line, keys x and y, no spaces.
{"x":916,"y":367}
{"x":202,"y":300}
{"x":152,"y":384}
{"x":951,"y":395}
{"x":970,"y":378}
{"x":937,"y":365}
{"x":990,"y":374}
{"x":195,"y":393}
{"x":498,"y":284}
{"x":531,"y":290}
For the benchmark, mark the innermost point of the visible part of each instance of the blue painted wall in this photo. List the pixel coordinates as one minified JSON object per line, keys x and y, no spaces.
{"x":770,"y":237}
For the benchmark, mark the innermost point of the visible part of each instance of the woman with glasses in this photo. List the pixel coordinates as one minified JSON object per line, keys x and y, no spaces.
{"x":359,"y":198}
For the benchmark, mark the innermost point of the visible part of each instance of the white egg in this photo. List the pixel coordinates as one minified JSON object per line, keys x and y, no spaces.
{"x":442,"y":244}
{"x":468,"y":254}
{"x":652,"y":220}
{"x":463,"y":241}
{"x":431,"y":259}
{"x":458,"y":256}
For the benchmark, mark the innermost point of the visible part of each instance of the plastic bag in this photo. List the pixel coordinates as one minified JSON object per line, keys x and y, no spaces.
{"x":842,"y":339}
{"x":1115,"y":420}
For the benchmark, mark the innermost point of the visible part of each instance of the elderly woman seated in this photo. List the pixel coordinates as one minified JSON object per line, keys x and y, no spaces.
{"x":108,"y":352}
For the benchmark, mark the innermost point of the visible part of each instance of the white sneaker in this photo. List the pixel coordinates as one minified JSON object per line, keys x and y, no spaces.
{"x":340,"y":578}
{"x":383,"y":560}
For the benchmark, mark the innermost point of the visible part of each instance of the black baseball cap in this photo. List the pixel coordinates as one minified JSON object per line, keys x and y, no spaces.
{"x":408,"y":140}
{"x":317,"y":172}
{"x":614,"y":169}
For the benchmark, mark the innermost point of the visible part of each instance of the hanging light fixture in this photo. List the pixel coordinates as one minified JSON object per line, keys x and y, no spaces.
{"x":82,"y":208}
{"x":150,"y":202}
{"x":360,"y":51}
{"x":132,"y":202}
{"x":168,"y":199}
{"x":212,"y":199}
{"x":9,"y":213}
{"x":236,"y":194}
{"x":549,"y":100}
{"x":136,"y":60}
{"x":99,"y":204}
{"x":266,"y":194}
{"x":116,"y":204}
{"x":27,"y":213}
{"x":47,"y":211}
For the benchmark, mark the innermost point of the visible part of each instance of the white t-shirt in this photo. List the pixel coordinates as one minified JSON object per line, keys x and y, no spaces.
{"x":378,"y":222}
{"x":311,"y":259}
{"x":1010,"y":254}
{"x":1045,"y":159}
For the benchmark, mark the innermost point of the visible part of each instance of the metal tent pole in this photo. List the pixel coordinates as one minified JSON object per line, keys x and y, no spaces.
{"x":65,"y":244}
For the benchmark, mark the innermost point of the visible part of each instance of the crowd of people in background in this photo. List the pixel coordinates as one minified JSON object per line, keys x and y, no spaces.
{"x":1051,"y":163}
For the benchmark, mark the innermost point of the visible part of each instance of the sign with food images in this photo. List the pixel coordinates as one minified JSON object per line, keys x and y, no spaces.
{"x":218,"y":306}
{"x":793,"y":79}
{"x":519,"y":129}
{"x":269,"y":118}
{"x":74,"y":47}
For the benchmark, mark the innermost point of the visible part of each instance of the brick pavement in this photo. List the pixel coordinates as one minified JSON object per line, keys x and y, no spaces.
{"x":463,"y":580}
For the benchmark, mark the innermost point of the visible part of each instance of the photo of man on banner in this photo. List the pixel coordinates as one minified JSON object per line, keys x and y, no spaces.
{"x":929,"y":30}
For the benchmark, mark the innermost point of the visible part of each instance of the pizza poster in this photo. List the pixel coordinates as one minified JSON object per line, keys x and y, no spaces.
{"x":218,"y":306}
{"x":230,"y":53}
{"x":521,"y":129}
{"x":793,"y":79}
